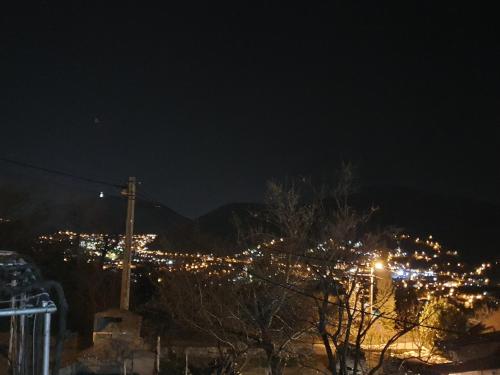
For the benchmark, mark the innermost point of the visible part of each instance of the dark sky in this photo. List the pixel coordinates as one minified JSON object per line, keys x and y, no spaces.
{"x":204,"y":103}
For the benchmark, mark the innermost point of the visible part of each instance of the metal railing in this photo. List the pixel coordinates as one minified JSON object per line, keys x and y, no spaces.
{"x":47,"y":310}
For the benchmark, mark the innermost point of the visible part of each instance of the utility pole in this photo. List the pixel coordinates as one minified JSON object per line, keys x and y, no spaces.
{"x":127,"y":254}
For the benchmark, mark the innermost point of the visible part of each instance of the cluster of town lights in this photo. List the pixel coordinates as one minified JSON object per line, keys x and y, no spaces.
{"x":426,"y":268}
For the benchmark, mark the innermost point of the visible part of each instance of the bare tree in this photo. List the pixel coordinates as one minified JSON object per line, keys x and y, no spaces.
{"x":340,"y":264}
{"x":281,"y":315}
{"x":208,"y":306}
{"x":250,"y":312}
{"x":308,"y":274}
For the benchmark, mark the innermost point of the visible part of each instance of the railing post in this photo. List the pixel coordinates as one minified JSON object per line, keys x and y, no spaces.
{"x":46,"y":343}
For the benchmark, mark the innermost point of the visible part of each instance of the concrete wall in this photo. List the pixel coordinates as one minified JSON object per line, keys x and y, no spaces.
{"x":141,"y":363}
{"x":470,"y":352}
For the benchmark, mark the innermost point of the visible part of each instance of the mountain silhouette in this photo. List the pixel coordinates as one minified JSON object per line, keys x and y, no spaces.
{"x":459,"y":223}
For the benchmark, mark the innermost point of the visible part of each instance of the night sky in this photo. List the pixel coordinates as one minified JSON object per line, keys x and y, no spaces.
{"x":204,"y":103}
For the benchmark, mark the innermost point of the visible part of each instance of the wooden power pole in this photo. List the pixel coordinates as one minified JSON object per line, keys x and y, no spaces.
{"x":127,"y":254}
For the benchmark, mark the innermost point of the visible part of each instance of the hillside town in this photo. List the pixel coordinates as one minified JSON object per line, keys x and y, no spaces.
{"x":275,"y":188}
{"x":416,"y":263}
{"x":423,"y":266}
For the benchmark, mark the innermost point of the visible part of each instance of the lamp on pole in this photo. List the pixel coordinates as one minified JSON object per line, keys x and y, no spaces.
{"x":375,"y":266}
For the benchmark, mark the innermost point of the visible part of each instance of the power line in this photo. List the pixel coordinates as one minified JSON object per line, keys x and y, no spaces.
{"x":145,"y":197}
{"x":61,"y":173}
{"x":149,"y":198}
{"x":71,"y":183}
